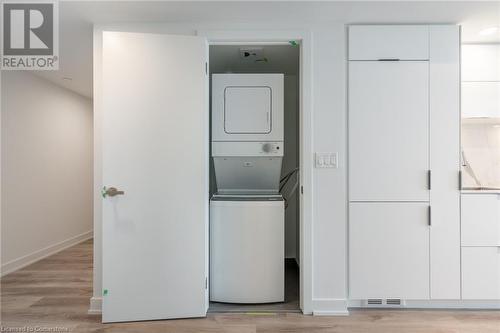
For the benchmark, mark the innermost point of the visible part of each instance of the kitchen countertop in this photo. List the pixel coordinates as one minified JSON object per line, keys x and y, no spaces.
{"x":481,"y":191}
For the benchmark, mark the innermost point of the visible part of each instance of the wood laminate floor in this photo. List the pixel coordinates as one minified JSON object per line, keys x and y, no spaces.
{"x":54,"y":294}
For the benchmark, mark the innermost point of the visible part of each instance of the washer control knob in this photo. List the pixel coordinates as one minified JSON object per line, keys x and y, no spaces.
{"x":267,"y":147}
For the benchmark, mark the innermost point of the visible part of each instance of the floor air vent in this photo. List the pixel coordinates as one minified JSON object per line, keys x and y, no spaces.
{"x":374,"y":301}
{"x":384,"y":303}
{"x":393,"y":301}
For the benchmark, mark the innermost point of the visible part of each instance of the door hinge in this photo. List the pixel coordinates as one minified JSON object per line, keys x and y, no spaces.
{"x":429,"y":179}
{"x":206,"y":282}
{"x":301,"y":189}
{"x":429,"y":217}
{"x":206,"y":68}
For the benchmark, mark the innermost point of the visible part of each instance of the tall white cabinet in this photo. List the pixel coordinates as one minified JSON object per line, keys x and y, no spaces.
{"x":404,"y":148}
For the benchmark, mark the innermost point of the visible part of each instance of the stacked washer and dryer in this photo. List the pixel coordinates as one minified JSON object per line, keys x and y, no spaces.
{"x":247,"y":212}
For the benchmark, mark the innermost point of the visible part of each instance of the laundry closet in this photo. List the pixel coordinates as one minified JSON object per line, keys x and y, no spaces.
{"x":254,"y":224}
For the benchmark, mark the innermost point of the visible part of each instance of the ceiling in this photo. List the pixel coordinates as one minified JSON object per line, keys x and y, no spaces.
{"x":78,"y":17}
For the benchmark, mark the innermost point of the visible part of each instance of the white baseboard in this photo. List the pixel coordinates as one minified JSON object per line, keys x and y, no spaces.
{"x":322,"y":307}
{"x":28,"y":259}
{"x":330,"y":307}
{"x":95,"y":306}
{"x":441,"y":304}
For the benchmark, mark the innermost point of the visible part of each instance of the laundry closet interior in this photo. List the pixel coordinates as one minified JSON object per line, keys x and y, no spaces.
{"x":254,"y":177}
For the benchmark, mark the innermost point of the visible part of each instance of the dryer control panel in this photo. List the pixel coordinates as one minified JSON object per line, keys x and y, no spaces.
{"x":271,"y":147}
{"x":227,"y":149}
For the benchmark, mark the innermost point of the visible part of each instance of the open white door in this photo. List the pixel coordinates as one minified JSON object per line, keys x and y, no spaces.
{"x":155,"y":149}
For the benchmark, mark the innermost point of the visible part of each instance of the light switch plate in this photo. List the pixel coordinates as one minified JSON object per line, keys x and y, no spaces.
{"x":326,"y":160}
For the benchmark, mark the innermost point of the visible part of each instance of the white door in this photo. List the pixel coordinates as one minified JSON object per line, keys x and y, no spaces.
{"x":155,"y":148}
{"x":388,"y":130}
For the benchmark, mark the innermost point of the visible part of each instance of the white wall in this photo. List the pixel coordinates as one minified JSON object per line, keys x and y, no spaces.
{"x":46,"y":154}
{"x":329,"y":286}
{"x":330,"y":193}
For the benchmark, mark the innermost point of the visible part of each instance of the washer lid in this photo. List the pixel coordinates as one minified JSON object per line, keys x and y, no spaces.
{"x":247,"y":174}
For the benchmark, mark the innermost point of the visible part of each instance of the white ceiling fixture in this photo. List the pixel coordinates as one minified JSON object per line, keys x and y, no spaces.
{"x":251,"y":54}
{"x":489,"y":31}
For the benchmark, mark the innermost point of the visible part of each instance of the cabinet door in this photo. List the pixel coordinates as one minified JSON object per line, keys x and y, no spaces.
{"x":480,"y":99}
{"x":388,"y":130}
{"x":480,"y":220}
{"x":404,"y":42}
{"x":481,"y":273}
{"x":444,"y":101}
{"x":389,"y":250}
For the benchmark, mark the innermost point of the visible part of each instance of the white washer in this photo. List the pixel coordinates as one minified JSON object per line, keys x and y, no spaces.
{"x":247,"y":249}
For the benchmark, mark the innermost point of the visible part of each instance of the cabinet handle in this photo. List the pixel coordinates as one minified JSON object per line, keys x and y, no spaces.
{"x":460,"y":180}
{"x":429,"y":179}
{"x":429,"y":217}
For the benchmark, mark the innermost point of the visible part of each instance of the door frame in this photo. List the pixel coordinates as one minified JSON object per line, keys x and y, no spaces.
{"x":280,"y":37}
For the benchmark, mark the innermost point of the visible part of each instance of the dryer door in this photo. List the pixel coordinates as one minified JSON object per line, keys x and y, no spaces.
{"x":247,"y":110}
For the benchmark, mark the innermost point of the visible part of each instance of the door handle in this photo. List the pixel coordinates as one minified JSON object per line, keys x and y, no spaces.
{"x":111,"y":192}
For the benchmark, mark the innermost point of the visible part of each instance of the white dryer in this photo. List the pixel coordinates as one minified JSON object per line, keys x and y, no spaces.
{"x":247,"y":132}
{"x":247,"y":107}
